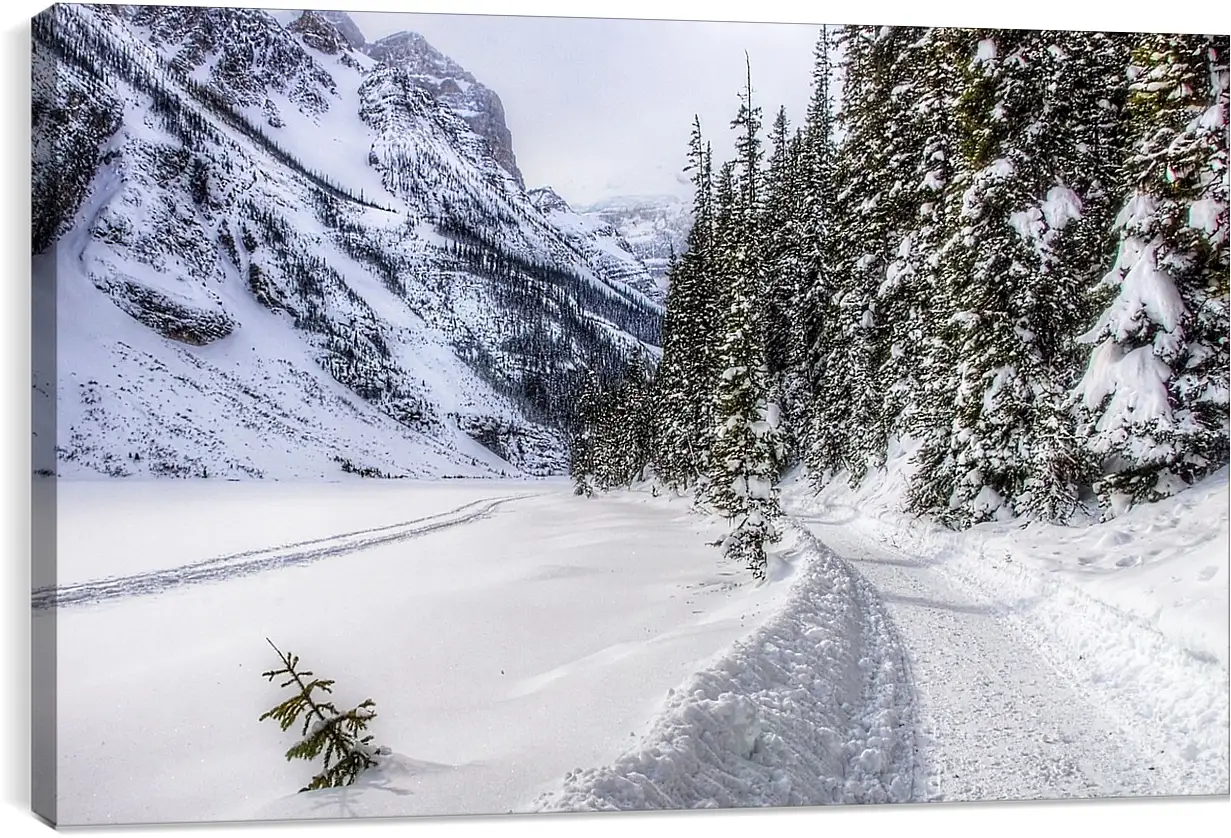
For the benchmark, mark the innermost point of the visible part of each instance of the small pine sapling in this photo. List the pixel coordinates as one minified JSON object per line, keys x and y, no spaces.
{"x":327,"y":733}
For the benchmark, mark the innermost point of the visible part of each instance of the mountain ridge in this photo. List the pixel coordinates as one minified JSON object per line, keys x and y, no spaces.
{"x":654,"y":226}
{"x":601,"y":241}
{"x":253,"y":278}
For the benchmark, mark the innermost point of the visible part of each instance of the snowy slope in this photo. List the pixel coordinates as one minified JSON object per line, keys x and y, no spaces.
{"x":654,"y":227}
{"x":600,"y":241}
{"x":272,"y":256}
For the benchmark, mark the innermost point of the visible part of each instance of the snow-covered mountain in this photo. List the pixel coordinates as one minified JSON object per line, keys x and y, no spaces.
{"x":448,"y":82}
{"x":269,"y":254}
{"x":454,"y":88}
{"x":654,"y":226}
{"x":600,"y":241}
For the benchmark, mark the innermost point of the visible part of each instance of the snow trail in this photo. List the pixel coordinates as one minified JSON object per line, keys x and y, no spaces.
{"x":1008,"y":707}
{"x":258,"y":561}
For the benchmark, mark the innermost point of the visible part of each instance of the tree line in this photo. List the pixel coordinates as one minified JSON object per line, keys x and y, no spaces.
{"x":1007,"y":246}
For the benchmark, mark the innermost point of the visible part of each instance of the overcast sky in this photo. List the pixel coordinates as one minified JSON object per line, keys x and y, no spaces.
{"x":599,"y":107}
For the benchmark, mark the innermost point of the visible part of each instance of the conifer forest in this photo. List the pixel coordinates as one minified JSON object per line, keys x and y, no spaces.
{"x":1008,"y":245}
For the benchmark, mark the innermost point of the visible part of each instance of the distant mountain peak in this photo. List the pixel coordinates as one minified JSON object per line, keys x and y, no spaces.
{"x":346,"y":26}
{"x":636,"y":201}
{"x":600,"y":241}
{"x":454,"y":87}
{"x":546,"y":199}
{"x":320,"y":33}
{"x":655,"y":227}
{"x":413,"y":53}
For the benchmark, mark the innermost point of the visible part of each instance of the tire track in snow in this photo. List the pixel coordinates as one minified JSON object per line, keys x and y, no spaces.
{"x":261,"y":560}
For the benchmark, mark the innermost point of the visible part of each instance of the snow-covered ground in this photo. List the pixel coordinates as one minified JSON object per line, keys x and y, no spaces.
{"x":814,"y":707}
{"x":502,"y":650}
{"x":1052,"y":661}
{"x":530,"y":650}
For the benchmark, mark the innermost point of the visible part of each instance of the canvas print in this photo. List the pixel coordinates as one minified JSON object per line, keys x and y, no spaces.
{"x":464,"y":415}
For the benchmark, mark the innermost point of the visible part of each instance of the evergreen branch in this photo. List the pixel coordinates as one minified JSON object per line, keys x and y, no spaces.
{"x":335,"y":737}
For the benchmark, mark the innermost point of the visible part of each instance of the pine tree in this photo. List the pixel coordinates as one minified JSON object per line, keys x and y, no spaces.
{"x":782,"y":226}
{"x":848,"y":422}
{"x":582,"y":442}
{"x":815,"y":338}
{"x":780,"y":247}
{"x":1154,"y":394}
{"x":612,"y":442}
{"x":913,"y":355}
{"x":1013,"y":279}
{"x":747,"y":448}
{"x":336,"y":737}
{"x":686,"y":372}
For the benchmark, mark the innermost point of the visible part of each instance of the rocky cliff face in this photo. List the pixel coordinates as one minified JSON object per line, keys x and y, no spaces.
{"x":243,"y":54}
{"x":430,"y":70}
{"x":346,"y":27}
{"x":451,"y":85}
{"x":320,"y":33}
{"x":356,"y":284}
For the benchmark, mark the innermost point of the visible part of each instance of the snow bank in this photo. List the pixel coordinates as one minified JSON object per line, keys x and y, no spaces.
{"x":814,"y":707}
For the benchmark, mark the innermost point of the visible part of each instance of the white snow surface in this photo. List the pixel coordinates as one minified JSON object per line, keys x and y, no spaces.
{"x":1051,"y":661}
{"x":517,"y":636}
{"x":813,"y":708}
{"x":530,"y":650}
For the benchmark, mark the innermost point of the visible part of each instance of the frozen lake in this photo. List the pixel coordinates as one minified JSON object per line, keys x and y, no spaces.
{"x":509,"y":632}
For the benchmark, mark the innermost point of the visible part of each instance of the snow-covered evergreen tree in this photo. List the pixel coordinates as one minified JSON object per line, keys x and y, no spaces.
{"x":782,"y":227}
{"x":848,"y":423}
{"x":1154,"y":395}
{"x":339,"y":738}
{"x":582,"y":436}
{"x":913,"y":355}
{"x":620,"y":431}
{"x":812,"y":337}
{"x":780,"y":249}
{"x":747,"y":448}
{"x":1011,"y":286}
{"x":686,"y":372}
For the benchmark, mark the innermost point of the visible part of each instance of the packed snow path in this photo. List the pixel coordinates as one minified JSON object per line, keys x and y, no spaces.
{"x":1000,"y":715}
